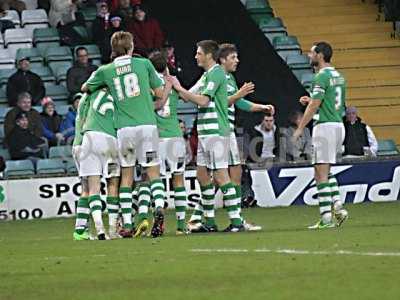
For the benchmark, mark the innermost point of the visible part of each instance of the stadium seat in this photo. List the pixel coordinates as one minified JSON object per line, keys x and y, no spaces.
{"x":57,"y":92}
{"x":1,"y":134}
{"x":3,"y":96}
{"x":271,"y":23}
{"x":300,"y":73}
{"x":43,"y":46}
{"x":58,"y":54}
{"x":298,"y":64}
{"x":259,"y":10}
{"x":45,"y":35}
{"x":7,"y":59}
{"x":84,"y":33}
{"x":89,"y":14}
{"x":3,"y":112}
{"x":5,"y":154}
{"x":17,"y":38}
{"x":1,"y":41}
{"x":61,"y":152}
{"x":272,"y":28}
{"x":71,"y":167}
{"x":93,"y":52}
{"x":306,"y":80}
{"x":59,"y":70}
{"x":271,"y":35}
{"x":33,"y":54}
{"x":13,"y":16}
{"x":50,"y":167}
{"x":4,"y":75}
{"x":387,"y":147}
{"x":46,"y":75}
{"x":35,"y":16}
{"x":38,"y":108}
{"x":31,"y":4}
{"x":288,"y":44}
{"x":62,"y":110}
{"x":16,"y":168}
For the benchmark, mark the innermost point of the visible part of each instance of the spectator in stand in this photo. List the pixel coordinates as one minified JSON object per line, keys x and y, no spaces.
{"x":116,"y":25}
{"x":146,"y":31}
{"x":100,"y":27}
{"x":193,"y":141}
{"x":173,"y":64}
{"x":51,"y":122}
{"x":80,"y":71}
{"x":269,"y":135}
{"x":359,"y":139}
{"x":5,"y":24}
{"x":115,"y":4}
{"x":22,"y":143}
{"x":68,"y":124}
{"x":24,"y":81}
{"x":17,"y":5}
{"x":125,"y":11}
{"x":24,"y":104}
{"x":301,"y":148}
{"x":189,"y":155}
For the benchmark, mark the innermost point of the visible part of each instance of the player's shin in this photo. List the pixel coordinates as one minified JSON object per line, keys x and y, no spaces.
{"x":125,"y":200}
{"x":208,"y":203}
{"x":113,"y":210}
{"x":337,"y":203}
{"x":230,"y":201}
{"x":144,"y":198}
{"x":238,"y":190}
{"x":82,"y":215}
{"x":325,"y":202}
{"x":158,"y":193}
{"x":180,"y":199}
{"x":95,"y":209}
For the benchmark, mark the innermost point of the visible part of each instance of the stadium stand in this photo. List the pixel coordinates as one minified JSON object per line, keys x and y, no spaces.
{"x":50,"y":167}
{"x":13,"y":16}
{"x":60,"y":152}
{"x":18,"y":168}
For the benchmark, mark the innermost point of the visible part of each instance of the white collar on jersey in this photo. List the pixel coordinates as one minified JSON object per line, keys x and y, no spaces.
{"x":326,"y":68}
{"x":123,"y":57}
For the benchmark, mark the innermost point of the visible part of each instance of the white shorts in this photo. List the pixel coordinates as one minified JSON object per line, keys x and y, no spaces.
{"x":327,"y":140}
{"x":138,"y":143}
{"x":213,"y":152}
{"x":98,"y":155}
{"x":172,"y":154}
{"x":234,"y":154}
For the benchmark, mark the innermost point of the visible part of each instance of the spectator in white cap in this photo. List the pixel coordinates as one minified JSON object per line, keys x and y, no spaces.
{"x":359,"y":138}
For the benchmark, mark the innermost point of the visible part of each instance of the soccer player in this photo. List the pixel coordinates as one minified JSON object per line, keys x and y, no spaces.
{"x":130,"y":81}
{"x":213,"y":130}
{"x":326,"y":106}
{"x":98,"y":158}
{"x":172,"y":144}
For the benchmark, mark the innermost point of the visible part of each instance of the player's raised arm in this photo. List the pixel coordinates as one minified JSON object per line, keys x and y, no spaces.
{"x":162,"y":94}
{"x":95,"y":81}
{"x":200,"y":100}
{"x":246,"y":89}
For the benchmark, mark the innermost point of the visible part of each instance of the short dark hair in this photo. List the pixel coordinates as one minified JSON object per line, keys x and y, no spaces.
{"x":80,"y":48}
{"x":181,"y":121}
{"x":225,"y":50}
{"x":209,"y":47}
{"x":325,"y":49}
{"x":158,"y":60}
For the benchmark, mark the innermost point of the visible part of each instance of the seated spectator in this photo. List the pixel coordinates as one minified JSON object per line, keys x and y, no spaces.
{"x":125,"y":11}
{"x":22,"y":143}
{"x":25,"y":81}
{"x":268,"y":134}
{"x":5,"y":24}
{"x":51,"y":122}
{"x":17,"y":5}
{"x":68,"y":124}
{"x":24,"y":104}
{"x":189,"y":155}
{"x":301,"y":149}
{"x":116,"y":25}
{"x":146,"y":32}
{"x":80,"y":71}
{"x":100,"y":26}
{"x":359,"y":139}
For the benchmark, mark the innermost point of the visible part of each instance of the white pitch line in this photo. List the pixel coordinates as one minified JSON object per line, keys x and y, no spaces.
{"x":296,"y":252}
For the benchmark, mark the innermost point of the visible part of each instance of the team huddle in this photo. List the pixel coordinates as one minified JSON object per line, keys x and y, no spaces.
{"x":127,"y":119}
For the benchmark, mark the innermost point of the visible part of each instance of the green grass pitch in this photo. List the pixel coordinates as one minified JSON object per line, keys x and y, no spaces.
{"x":361,"y":260}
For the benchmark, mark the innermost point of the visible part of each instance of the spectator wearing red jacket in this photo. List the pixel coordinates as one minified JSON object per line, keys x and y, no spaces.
{"x":146,"y":31}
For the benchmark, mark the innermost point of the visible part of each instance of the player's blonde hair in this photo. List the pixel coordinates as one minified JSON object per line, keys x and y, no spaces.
{"x":121,"y":43}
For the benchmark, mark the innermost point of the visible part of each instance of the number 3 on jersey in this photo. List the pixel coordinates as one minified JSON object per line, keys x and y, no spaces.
{"x":128,"y":88}
{"x":338,"y":98}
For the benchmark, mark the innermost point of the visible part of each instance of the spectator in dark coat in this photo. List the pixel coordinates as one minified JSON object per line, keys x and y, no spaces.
{"x":115,"y":3}
{"x":68,"y":124}
{"x":51,"y":122}
{"x":125,"y":11}
{"x":100,"y":26}
{"x":24,"y":104}
{"x":25,"y":81}
{"x":116,"y":25}
{"x":146,"y":31}
{"x":80,"y":71}
{"x":22,"y":143}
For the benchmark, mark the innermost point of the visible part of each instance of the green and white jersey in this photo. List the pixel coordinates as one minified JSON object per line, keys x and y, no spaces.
{"x":232,"y":89}
{"x":329,"y":86}
{"x":100,"y":113}
{"x":130,"y":81}
{"x":167,"y":116}
{"x":79,"y":120}
{"x":213,"y":119}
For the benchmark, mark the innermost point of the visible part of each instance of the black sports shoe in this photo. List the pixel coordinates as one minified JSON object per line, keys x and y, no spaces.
{"x":158,"y":225}
{"x":233,"y":228}
{"x":212,"y":228}
{"x":101,"y":237}
{"x":201,"y":229}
